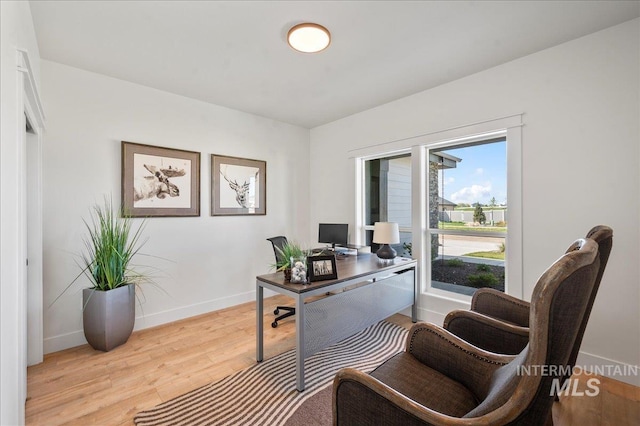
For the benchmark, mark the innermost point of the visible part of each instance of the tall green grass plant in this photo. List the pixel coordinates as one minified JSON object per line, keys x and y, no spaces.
{"x":111,"y":246}
{"x":288,"y":250}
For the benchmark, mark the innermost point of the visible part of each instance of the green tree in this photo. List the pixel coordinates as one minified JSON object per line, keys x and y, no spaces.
{"x":493,"y":202}
{"x":478,"y":214}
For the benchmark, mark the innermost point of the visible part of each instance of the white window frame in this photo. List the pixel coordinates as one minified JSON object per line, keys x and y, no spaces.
{"x":361,"y":226}
{"x":513,"y":285}
{"x":434,"y":305}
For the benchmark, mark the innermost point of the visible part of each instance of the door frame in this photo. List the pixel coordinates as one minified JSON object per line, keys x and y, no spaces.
{"x":30,"y":277}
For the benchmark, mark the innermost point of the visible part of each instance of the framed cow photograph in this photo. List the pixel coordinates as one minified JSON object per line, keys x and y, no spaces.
{"x":160,"y":182}
{"x":238,"y":186}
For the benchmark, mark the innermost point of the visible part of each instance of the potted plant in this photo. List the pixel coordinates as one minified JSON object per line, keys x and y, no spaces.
{"x":289,"y":250}
{"x":109,"y":304}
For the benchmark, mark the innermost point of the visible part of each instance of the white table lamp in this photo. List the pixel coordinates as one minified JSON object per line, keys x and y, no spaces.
{"x":386,"y":233}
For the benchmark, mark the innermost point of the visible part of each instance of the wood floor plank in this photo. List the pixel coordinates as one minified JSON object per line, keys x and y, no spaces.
{"x":81,"y":386}
{"x":620,"y":402}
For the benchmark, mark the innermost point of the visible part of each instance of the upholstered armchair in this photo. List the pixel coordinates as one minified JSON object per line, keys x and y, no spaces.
{"x":441,"y":379}
{"x":499,"y":323}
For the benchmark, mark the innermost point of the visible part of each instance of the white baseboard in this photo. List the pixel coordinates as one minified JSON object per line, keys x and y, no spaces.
{"x":616,"y":370}
{"x":63,"y":341}
{"x":428,"y":315}
{"x":176,"y":314}
{"x":76,"y":338}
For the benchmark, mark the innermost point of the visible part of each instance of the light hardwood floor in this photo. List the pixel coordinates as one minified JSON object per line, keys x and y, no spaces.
{"x":80,"y":386}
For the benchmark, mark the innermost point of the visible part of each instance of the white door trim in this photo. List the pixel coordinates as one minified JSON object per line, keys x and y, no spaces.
{"x":30,"y":215}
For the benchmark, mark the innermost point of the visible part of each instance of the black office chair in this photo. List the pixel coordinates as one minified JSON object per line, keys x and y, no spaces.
{"x":279,"y":242}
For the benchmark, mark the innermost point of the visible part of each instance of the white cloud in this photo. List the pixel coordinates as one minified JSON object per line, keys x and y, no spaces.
{"x":449,"y":180}
{"x":472,"y":194}
{"x":479,"y":171}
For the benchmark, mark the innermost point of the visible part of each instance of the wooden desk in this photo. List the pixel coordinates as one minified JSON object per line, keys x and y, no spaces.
{"x":364,"y":293}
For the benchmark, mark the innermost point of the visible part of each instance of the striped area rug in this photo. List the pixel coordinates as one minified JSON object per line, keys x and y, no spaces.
{"x":265,"y":394}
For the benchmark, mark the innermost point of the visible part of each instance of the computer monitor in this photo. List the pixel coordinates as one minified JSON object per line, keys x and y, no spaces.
{"x":333,"y":233}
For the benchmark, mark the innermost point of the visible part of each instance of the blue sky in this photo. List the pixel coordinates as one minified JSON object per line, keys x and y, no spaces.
{"x":481,"y":175}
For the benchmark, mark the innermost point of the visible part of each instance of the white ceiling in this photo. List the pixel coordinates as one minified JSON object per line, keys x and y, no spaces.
{"x":234,"y":53}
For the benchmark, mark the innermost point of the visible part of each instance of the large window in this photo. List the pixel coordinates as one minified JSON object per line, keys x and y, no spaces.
{"x":467,"y":216}
{"x":457,"y":197}
{"x":388,"y":198}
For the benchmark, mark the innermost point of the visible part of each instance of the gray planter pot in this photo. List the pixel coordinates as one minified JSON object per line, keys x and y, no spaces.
{"x":108,"y":316}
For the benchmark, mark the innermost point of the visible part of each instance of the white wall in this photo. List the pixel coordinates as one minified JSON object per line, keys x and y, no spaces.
{"x":580,"y":155}
{"x":212,"y":261}
{"x":16,"y":31}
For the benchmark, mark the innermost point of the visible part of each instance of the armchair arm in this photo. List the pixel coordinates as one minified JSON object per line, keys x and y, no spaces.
{"x":360,"y":399}
{"x":448,"y":354}
{"x":486,"y":332}
{"x":496,"y":304}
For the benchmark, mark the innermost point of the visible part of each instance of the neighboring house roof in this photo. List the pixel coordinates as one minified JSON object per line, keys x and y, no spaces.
{"x":445,"y":202}
{"x":444,"y":160}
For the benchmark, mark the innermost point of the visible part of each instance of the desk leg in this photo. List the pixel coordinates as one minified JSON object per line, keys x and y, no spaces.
{"x":300,"y":314}
{"x":259,"y":322}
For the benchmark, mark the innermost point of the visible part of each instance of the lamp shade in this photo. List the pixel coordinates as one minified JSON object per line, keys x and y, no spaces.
{"x":386,"y":233}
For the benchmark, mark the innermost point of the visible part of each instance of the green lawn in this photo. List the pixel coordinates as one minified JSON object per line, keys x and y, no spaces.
{"x":498,"y":255}
{"x":461,"y":226}
{"x":470,"y":209}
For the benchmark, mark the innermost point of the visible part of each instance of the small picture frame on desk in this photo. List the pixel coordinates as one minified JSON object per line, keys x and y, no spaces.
{"x":322,"y":267}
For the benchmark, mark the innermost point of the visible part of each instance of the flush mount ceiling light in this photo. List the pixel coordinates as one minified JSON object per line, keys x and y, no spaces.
{"x":308,"y":38}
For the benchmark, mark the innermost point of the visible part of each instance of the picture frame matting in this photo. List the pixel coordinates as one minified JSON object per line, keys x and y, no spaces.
{"x":159,"y":181}
{"x":238,"y":186}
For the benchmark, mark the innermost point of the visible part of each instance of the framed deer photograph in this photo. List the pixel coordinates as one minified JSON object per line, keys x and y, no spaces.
{"x":238,"y":186}
{"x":160,"y":182}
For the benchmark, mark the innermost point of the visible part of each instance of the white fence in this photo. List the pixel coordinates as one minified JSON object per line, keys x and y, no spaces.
{"x":492,"y":216}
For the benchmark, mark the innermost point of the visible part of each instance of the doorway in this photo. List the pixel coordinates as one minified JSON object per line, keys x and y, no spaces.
{"x":32,"y":208}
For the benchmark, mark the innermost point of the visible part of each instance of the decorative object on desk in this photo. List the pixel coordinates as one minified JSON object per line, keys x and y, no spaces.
{"x":109,"y":305}
{"x":290,"y":250}
{"x":298,"y":269}
{"x":238,"y":186}
{"x":386,"y":233}
{"x":160,"y":182}
{"x":322,"y":268}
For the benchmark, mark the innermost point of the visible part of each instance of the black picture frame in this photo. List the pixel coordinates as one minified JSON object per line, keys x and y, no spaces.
{"x":322,"y":267}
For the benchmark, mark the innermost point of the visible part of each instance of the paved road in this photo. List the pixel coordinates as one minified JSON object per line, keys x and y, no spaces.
{"x":458,"y":245}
